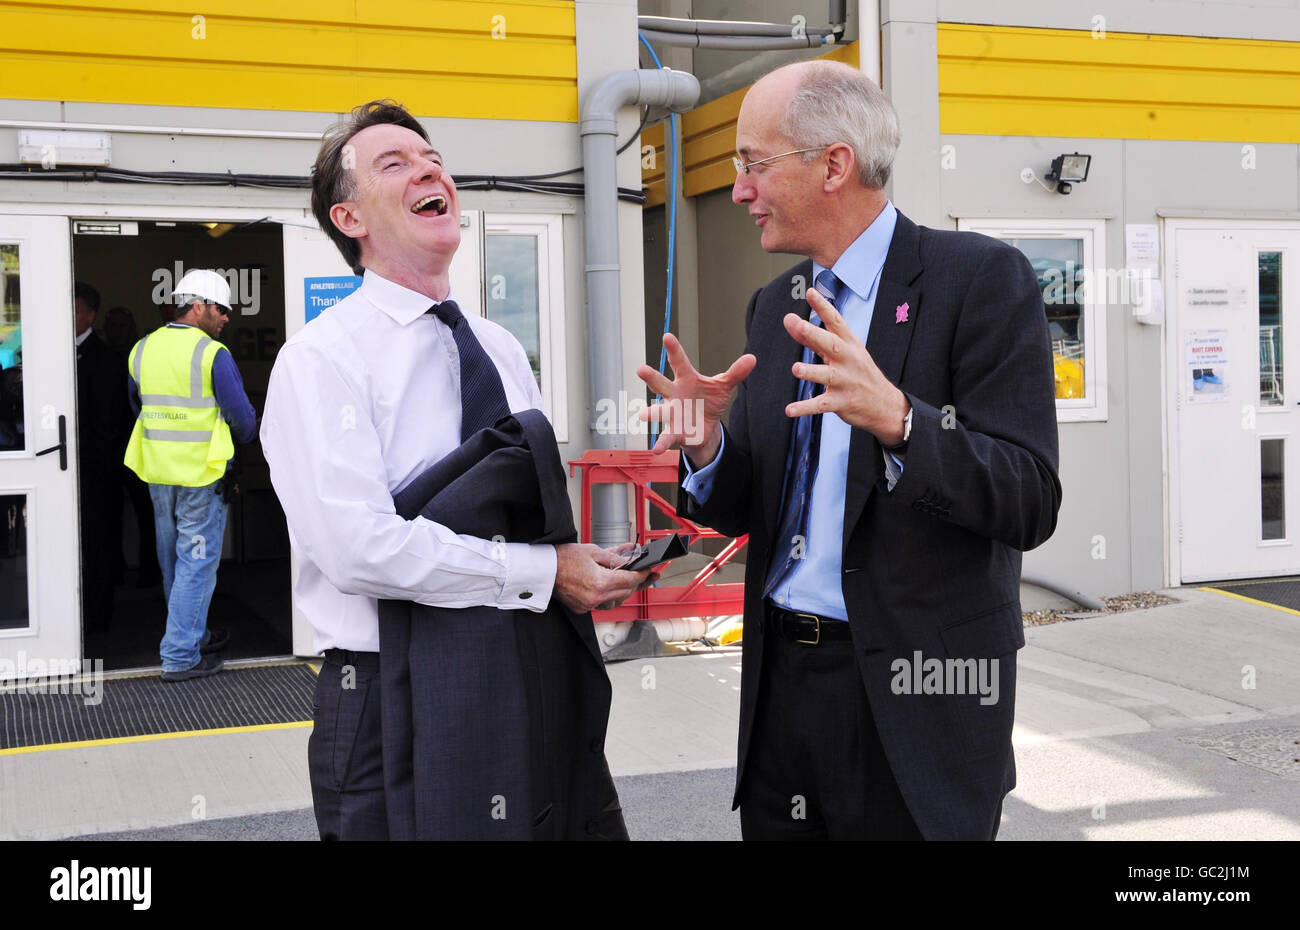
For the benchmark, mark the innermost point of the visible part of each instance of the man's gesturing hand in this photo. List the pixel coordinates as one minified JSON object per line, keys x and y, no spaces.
{"x":585,"y":581}
{"x":856,"y":388}
{"x":694,"y":404}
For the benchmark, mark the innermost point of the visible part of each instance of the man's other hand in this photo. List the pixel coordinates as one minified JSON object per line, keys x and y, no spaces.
{"x":856,"y":389}
{"x":694,"y":404}
{"x":586,"y":580}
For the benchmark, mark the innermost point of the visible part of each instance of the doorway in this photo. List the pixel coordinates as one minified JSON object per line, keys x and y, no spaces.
{"x":1234,"y":333}
{"x":131,"y":266}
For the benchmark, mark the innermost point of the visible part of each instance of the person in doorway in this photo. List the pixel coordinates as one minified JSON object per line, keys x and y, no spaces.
{"x":189,"y":401}
{"x":101,"y":407}
{"x":891,"y":451}
{"x":120,"y":329}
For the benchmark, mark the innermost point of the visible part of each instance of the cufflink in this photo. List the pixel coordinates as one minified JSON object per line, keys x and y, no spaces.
{"x":525,"y":595}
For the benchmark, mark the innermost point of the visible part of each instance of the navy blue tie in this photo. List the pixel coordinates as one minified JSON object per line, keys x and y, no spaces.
{"x":482,"y":396}
{"x":790,"y":543}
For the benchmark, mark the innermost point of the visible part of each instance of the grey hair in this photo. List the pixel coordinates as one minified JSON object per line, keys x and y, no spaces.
{"x":185,"y":301}
{"x":835,"y":102}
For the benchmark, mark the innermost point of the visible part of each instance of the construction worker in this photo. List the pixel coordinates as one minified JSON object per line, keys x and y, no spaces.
{"x":189,"y":400}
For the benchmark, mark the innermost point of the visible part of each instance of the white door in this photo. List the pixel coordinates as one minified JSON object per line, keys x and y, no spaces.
{"x":40,"y":609}
{"x":1235,"y":361}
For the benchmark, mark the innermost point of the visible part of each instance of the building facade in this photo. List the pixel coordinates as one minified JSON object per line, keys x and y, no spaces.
{"x":1169,"y":274}
{"x":138,"y":140}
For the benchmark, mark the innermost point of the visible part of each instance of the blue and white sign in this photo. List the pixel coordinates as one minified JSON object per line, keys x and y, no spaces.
{"x":322,"y":293}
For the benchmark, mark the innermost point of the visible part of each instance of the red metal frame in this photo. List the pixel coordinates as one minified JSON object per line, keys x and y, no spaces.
{"x":639,"y":468}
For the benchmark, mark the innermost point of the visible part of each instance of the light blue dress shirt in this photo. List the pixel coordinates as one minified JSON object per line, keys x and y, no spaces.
{"x":814,"y":584}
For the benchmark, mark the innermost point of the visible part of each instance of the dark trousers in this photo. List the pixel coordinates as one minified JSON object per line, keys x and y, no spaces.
{"x":816,"y":769}
{"x":98,"y":495}
{"x":345,"y":751}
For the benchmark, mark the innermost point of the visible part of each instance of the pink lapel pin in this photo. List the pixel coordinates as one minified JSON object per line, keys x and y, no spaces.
{"x":900,"y":313}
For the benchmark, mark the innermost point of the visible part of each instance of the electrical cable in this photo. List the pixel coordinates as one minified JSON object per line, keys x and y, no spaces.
{"x":287,"y":182}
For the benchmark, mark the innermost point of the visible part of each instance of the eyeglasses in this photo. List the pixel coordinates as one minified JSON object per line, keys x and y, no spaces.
{"x":745,"y":166}
{"x":224,"y":311}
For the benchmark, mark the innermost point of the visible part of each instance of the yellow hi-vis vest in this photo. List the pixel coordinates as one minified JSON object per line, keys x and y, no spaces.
{"x":180,"y":436}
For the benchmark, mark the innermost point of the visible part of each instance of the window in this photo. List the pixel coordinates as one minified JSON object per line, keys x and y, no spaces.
{"x":1076,"y":290}
{"x":523,"y":287}
{"x":1270,"y":330}
{"x":11,"y":351}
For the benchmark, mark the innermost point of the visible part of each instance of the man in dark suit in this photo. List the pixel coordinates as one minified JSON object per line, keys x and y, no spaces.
{"x":891,"y":451}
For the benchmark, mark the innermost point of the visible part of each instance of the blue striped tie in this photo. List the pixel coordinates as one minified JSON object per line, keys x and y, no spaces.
{"x":482,"y":396}
{"x":801,"y":467}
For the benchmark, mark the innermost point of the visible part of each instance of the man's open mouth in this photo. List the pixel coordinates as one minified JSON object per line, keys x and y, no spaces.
{"x":433,"y":204}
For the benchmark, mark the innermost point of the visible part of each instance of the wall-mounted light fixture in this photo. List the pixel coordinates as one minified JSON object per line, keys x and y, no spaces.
{"x":1068,"y":170}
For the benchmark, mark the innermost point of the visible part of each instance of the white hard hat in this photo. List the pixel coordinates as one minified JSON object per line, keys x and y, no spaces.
{"x":207,"y":285}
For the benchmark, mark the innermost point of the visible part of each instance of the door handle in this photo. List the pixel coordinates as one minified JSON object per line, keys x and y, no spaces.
{"x":62,"y":445}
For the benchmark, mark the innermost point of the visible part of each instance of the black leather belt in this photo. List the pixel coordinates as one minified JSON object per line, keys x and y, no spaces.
{"x":341,"y":657}
{"x":809,"y":629}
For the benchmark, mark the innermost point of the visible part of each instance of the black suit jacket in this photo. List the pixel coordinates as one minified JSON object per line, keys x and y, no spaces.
{"x":102,"y":407}
{"x":494,"y":720}
{"x":934,"y":565}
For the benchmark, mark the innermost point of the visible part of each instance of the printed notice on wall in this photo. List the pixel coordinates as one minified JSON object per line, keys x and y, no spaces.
{"x":1206,"y":366}
{"x":322,"y":293}
{"x":1142,"y":248}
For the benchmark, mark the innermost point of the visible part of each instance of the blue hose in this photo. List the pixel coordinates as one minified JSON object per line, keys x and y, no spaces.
{"x":671,"y":177}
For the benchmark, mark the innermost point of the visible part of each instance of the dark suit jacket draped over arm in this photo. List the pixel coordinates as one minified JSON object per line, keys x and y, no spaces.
{"x":494,"y":720}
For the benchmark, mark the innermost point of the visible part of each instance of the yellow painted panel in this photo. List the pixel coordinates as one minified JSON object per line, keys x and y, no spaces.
{"x":710,"y":178}
{"x":991,"y":43}
{"x":655,"y":194}
{"x":652,"y":179}
{"x":709,"y":143}
{"x":153,"y":36}
{"x":658,"y":172}
{"x":521,"y":58}
{"x":711,"y":146}
{"x":206,"y":85}
{"x":845,"y":53}
{"x":713,"y":114}
{"x":1015,"y":81}
{"x":522,"y":17}
{"x":544,"y":18}
{"x":1007,"y":79}
{"x":295,"y":61}
{"x":1119,"y":121}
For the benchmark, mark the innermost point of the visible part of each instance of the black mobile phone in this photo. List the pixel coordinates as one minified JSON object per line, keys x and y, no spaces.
{"x":658,"y":551}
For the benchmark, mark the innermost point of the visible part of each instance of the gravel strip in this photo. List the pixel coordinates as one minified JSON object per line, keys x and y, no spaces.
{"x":1138,"y":600}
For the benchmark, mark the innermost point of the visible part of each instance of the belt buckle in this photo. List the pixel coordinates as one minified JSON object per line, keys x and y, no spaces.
{"x":818,"y":621}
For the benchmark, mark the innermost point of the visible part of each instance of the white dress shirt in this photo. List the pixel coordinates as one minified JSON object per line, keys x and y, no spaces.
{"x":361,"y":401}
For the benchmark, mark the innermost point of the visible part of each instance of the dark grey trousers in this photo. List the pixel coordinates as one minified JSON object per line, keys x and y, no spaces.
{"x":345,"y":751}
{"x":816,"y":769}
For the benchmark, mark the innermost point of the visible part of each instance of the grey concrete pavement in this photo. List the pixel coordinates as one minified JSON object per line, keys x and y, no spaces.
{"x":1177,"y":722}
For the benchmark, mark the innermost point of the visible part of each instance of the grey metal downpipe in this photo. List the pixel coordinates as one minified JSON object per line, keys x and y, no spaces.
{"x":721,"y":27}
{"x":694,"y":40}
{"x":663,"y":87}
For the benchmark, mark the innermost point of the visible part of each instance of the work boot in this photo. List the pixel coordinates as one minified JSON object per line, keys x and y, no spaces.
{"x":208,"y":665}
